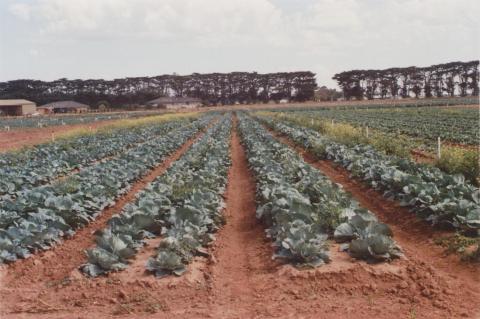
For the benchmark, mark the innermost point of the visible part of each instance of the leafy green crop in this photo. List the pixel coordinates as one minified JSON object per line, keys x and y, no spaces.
{"x":184,"y":205}
{"x":458,"y":125}
{"x":300,"y":207}
{"x":39,"y":217}
{"x":439,"y":198}
{"x":44,"y":163}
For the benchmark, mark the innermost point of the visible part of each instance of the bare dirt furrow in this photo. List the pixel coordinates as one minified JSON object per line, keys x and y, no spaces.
{"x":241,"y":253}
{"x":416,"y":239}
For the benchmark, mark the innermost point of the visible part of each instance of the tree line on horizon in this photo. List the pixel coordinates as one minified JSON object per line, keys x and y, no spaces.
{"x":212,"y":88}
{"x":448,"y":79}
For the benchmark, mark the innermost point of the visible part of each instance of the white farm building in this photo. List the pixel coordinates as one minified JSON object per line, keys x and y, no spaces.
{"x":175,"y":102}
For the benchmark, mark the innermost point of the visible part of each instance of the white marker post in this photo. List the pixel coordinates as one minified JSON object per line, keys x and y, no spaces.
{"x":53,"y":137}
{"x":367,"y":131}
{"x":333,"y":123}
{"x":439,"y":148}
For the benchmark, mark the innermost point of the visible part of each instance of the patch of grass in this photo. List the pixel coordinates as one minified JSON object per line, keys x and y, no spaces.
{"x":122,"y":309}
{"x":128,"y":123}
{"x":370,"y":301}
{"x":68,"y":185}
{"x":155,"y":307}
{"x":392,"y":145}
{"x":345,"y":134}
{"x":466,"y":247}
{"x":111,"y":281}
{"x":350,"y":135}
{"x":413,"y":313}
{"x":179,"y":191}
{"x":142,"y":302}
{"x":457,"y":160}
{"x":73,"y":133}
{"x":58,"y":283}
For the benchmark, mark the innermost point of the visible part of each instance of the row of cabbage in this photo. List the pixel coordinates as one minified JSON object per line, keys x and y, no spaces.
{"x":302,"y":208}
{"x":43,"y":215}
{"x":439,"y":198}
{"x":457,"y":125}
{"x":44,"y":163}
{"x":45,"y":121}
{"x":184,"y":205}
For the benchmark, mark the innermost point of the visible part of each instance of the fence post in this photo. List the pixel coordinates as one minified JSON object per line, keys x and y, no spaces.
{"x":439,"y":148}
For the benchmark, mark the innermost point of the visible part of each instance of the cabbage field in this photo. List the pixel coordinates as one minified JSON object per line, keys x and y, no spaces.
{"x":439,"y":198}
{"x":458,"y":125}
{"x":240,"y":215}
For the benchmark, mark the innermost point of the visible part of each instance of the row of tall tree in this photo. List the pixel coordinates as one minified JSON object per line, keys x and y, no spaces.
{"x":213,"y":88}
{"x":448,"y":79}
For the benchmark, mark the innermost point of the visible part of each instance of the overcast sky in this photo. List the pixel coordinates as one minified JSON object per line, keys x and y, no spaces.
{"x":51,"y":39}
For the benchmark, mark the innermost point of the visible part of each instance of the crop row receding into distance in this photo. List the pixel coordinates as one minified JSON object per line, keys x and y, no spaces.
{"x":37,"y":218}
{"x":435,"y":196}
{"x":183,"y":207}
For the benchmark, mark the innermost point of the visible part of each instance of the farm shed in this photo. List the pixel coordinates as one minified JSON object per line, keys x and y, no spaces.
{"x":17,"y":107}
{"x":175,"y":102}
{"x":63,"y":107}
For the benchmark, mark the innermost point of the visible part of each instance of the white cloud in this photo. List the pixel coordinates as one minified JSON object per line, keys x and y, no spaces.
{"x":20,"y":10}
{"x":210,"y":21}
{"x":326,"y":36}
{"x":229,"y":21}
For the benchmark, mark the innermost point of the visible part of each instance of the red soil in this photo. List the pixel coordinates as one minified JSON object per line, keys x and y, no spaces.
{"x":421,"y":157}
{"x":16,"y":139}
{"x":242,"y":256}
{"x":240,"y":280}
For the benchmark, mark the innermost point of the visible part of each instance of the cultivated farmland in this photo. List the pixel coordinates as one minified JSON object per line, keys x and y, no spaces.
{"x":45,"y":121}
{"x":458,"y":125}
{"x":246,"y":214}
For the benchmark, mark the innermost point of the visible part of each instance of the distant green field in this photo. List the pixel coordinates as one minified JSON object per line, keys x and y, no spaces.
{"x":458,"y":125}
